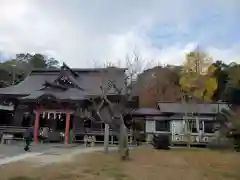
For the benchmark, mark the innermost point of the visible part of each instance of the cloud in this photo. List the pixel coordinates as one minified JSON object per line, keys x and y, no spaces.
{"x":83,"y":32}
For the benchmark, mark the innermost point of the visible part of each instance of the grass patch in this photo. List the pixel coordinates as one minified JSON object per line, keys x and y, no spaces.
{"x":21,"y":178}
{"x":115,"y":173}
{"x":146,"y":163}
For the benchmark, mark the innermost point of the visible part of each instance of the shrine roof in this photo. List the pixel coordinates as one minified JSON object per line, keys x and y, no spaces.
{"x":32,"y":82}
{"x":70,"y":94}
{"x":90,"y":80}
{"x":78,"y":70}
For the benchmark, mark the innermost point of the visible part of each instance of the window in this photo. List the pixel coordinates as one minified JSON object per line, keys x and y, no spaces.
{"x":193,"y":126}
{"x":208,"y":126}
{"x":162,"y":125}
{"x":200,"y":125}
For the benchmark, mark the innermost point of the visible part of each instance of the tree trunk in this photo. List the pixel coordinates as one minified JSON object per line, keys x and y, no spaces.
{"x":123,"y":142}
{"x":111,"y":114}
{"x":106,"y":138}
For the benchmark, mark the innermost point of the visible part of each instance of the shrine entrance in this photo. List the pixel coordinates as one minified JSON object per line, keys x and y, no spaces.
{"x":55,"y":121}
{"x":53,"y":116}
{"x":58,"y":123}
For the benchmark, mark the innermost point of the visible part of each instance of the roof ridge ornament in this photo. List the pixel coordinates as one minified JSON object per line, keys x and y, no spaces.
{"x":72,"y":79}
{"x":66,"y":67}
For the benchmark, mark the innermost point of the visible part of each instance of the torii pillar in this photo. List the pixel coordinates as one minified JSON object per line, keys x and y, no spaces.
{"x":67,"y":126}
{"x":36,"y":126}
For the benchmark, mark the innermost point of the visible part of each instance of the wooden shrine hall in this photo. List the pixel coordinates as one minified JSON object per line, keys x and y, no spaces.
{"x":59,"y":99}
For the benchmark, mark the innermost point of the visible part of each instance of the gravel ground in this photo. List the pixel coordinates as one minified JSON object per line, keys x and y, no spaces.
{"x":60,"y":156}
{"x":43,"y":154}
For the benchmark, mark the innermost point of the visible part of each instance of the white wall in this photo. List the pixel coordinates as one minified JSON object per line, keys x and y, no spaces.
{"x":150,"y":126}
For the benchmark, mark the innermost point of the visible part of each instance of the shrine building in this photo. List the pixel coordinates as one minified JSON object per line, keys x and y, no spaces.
{"x":59,"y":99}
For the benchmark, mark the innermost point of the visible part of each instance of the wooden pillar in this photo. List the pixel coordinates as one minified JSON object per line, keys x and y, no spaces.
{"x":67,"y":126}
{"x":112,"y":139}
{"x":36,"y":126}
{"x":131,"y":136}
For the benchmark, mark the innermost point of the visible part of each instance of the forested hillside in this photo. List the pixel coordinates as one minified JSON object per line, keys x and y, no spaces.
{"x":200,"y":76}
{"x":15,"y":70}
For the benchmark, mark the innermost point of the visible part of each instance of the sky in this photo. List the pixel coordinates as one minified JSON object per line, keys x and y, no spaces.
{"x":84,"y":33}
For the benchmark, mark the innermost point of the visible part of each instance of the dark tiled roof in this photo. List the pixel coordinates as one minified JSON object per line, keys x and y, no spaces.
{"x":179,"y":108}
{"x":146,"y":111}
{"x":70,"y":94}
{"x":203,"y":108}
{"x":78,"y":70}
{"x":32,"y":83}
{"x":90,"y":80}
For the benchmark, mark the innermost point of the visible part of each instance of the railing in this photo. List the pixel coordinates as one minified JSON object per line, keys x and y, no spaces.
{"x":97,"y":132}
{"x":195,"y":138}
{"x":12,"y":129}
{"x":94,"y":131}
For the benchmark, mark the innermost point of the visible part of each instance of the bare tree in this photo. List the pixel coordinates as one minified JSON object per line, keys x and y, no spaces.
{"x":111,"y":113}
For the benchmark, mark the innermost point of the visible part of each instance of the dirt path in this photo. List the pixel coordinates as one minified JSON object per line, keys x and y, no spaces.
{"x":16,"y":158}
{"x":58,"y":157}
{"x":53,"y":155}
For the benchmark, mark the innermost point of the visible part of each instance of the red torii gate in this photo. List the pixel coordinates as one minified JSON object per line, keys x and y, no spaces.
{"x":37,"y":118}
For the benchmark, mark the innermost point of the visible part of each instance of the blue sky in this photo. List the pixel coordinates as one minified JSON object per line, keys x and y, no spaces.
{"x":208,"y":30}
{"x":216,"y":27}
{"x":82,"y":32}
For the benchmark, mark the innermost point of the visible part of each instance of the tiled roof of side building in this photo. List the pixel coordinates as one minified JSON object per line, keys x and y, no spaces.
{"x":147,"y":111}
{"x":204,"y":108}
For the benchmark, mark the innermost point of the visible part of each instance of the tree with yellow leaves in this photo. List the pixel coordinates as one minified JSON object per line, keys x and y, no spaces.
{"x":197,"y":81}
{"x":197,"y":78}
